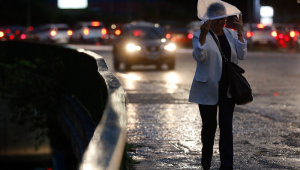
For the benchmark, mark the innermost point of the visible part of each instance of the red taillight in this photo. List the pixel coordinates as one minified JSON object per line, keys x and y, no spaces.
{"x":281,"y":41}
{"x":95,"y":24}
{"x":274,"y":33}
{"x":7,"y":30}
{"x":53,"y":33}
{"x":280,"y":36}
{"x":86,"y":31}
{"x":103,"y":31}
{"x":168,"y":36}
{"x":70,"y":32}
{"x":297,"y":33}
{"x":17,"y":32}
{"x":11,"y":37}
{"x":23,"y":36}
{"x":286,"y":38}
{"x":190,"y":36}
{"x":292,"y":34}
{"x":232,"y":29}
{"x":31,"y":28}
{"x":249,"y":34}
{"x":1,"y":34}
{"x":260,"y":26}
{"x":118,"y":32}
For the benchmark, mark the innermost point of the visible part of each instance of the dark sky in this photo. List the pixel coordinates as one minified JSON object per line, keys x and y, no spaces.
{"x":43,"y":11}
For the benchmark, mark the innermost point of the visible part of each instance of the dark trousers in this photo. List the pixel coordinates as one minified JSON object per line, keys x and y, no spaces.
{"x":209,"y":124}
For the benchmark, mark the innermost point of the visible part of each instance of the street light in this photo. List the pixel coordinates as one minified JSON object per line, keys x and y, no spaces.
{"x":72,"y":4}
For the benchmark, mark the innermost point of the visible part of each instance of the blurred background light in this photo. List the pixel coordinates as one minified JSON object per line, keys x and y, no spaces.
{"x":266,"y":11}
{"x":72,"y":4}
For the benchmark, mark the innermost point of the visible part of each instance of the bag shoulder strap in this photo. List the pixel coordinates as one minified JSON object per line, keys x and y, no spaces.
{"x":218,"y":44}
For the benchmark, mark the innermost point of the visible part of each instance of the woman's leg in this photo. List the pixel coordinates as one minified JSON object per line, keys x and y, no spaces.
{"x":209,"y":124}
{"x":226,"y":108}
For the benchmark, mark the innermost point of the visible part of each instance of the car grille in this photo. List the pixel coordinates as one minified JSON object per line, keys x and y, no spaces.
{"x":152,"y":48}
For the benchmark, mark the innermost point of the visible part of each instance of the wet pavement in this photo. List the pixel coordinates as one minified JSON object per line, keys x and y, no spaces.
{"x":165,"y":128}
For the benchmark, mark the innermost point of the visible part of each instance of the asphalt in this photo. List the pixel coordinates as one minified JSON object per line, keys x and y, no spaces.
{"x":165,"y":131}
{"x":167,"y":136}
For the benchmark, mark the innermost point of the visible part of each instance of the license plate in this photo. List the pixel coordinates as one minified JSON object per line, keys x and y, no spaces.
{"x":153,"y":57}
{"x":263,"y":42}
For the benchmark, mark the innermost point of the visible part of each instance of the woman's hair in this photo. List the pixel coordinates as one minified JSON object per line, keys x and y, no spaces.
{"x":216,"y":9}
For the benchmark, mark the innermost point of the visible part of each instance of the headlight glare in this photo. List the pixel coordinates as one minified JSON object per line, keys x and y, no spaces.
{"x":138,"y":48}
{"x":170,"y":47}
{"x":130,"y":47}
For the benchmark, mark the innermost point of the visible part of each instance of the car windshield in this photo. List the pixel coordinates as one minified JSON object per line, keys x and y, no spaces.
{"x":144,"y":33}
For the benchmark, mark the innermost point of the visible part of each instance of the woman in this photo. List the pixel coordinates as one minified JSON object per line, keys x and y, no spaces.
{"x":210,"y":85}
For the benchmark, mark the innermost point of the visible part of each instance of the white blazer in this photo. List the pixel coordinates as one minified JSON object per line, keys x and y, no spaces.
{"x":205,"y":86}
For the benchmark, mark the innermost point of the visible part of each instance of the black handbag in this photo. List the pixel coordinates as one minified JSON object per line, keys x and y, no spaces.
{"x":239,"y":87}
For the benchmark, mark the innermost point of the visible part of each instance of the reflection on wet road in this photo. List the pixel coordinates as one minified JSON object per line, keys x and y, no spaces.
{"x":165,"y":128}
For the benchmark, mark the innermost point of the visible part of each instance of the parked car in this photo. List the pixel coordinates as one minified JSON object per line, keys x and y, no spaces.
{"x":57,"y":33}
{"x":89,"y":32}
{"x":143,"y":43}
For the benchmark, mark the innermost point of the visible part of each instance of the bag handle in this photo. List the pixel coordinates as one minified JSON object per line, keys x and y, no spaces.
{"x":218,"y":44}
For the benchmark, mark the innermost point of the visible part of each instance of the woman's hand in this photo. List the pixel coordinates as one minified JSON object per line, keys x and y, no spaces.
{"x":205,"y":27}
{"x":239,"y":24}
{"x":204,"y":30}
{"x":239,"y":27}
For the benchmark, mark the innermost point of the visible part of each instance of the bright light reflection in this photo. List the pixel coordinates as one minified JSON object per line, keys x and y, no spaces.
{"x":163,"y":40}
{"x":172,"y":80}
{"x":130,"y":76}
{"x":170,"y":47}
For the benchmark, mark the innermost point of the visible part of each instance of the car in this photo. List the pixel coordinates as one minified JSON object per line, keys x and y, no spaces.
{"x":113,"y":32}
{"x":259,"y":35}
{"x":13,"y":32}
{"x":89,"y":32}
{"x":177,"y":33}
{"x":289,"y":35}
{"x":53,"y":33}
{"x":3,"y":36}
{"x":143,"y":43}
{"x":194,"y":26}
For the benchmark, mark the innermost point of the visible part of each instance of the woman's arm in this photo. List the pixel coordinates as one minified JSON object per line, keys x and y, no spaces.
{"x":241,"y":43}
{"x":199,"y":43}
{"x":239,"y":27}
{"x":199,"y":52}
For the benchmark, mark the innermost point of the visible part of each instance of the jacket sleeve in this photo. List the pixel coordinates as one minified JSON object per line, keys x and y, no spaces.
{"x":241,"y":49}
{"x":199,"y":52}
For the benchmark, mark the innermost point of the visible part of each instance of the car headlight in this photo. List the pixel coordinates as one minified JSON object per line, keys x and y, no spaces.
{"x":170,"y":47}
{"x":132,"y":47}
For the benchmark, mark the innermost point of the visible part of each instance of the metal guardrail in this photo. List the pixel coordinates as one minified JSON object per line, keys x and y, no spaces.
{"x":106,"y":148}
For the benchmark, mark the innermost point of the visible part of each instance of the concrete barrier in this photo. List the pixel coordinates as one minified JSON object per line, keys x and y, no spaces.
{"x":92,"y":102}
